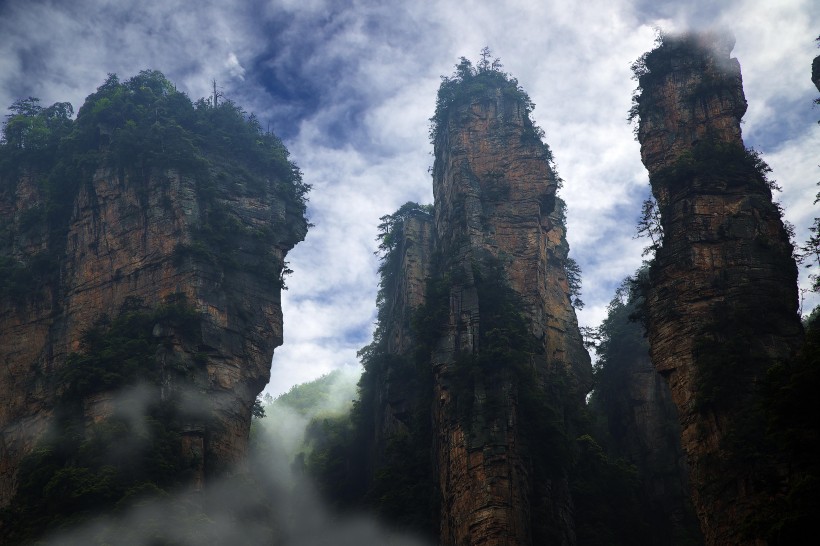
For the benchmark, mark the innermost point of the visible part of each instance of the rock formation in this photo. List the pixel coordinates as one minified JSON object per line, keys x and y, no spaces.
{"x":640,"y":422}
{"x":209,"y":236}
{"x":396,"y":398}
{"x":815,"y":72}
{"x":495,"y":198}
{"x":721,"y":299}
{"x":478,"y":296}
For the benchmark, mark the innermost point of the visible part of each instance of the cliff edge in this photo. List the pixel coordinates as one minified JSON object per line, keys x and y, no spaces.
{"x":144,"y":247}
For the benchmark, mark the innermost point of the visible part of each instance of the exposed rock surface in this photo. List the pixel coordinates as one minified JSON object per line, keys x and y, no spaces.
{"x":126,"y":242}
{"x":641,"y":425}
{"x":649,"y":439}
{"x":495,"y":197}
{"x":395,"y":399}
{"x":722,"y":302}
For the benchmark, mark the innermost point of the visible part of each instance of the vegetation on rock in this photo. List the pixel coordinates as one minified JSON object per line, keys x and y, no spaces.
{"x":469,"y":83}
{"x":79,"y":471}
{"x":127,"y":419}
{"x":141,"y":128}
{"x":636,"y":426}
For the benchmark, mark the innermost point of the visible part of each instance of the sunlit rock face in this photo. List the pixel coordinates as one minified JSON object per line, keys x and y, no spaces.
{"x":129,"y":242}
{"x":722,"y":297}
{"x":495,"y":198}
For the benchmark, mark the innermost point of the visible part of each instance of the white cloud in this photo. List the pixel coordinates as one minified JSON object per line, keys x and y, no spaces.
{"x":360,"y":79}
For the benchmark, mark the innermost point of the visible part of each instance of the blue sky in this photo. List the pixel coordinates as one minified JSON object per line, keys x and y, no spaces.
{"x":350,"y":85}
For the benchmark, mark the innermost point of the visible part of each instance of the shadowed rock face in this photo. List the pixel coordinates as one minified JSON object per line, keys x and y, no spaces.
{"x":722,"y":297}
{"x":395,"y":401}
{"x":640,"y":424}
{"x":126,"y":242}
{"x":495,"y":198}
{"x":815,"y":72}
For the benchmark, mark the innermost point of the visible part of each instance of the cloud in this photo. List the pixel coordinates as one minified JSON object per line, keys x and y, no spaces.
{"x":350,"y":86}
{"x":261,"y":502}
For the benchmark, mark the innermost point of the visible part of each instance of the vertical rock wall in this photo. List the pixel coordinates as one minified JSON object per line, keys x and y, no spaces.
{"x":495,"y":196}
{"x":722,"y":300}
{"x":24,"y":334}
{"x":395,"y":400}
{"x":126,"y":242}
{"x":640,"y":425}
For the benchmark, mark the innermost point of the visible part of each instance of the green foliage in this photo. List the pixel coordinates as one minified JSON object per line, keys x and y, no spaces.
{"x":122,"y":351}
{"x":621,"y":340}
{"x":144,"y":127}
{"x":403,"y":491}
{"x":808,"y":255}
{"x":773,"y":402}
{"x":505,"y":348}
{"x":574,"y":281}
{"x":391,"y":230}
{"x":607,"y":498}
{"x":71,"y":477}
{"x":402,"y":488}
{"x":650,"y":226}
{"x":335,"y":460}
{"x":470,"y":83}
{"x":788,"y":394}
{"x":716,"y":165}
{"x":20,"y":280}
{"x":78,"y":471}
{"x":32,"y":134}
{"x":392,"y":226}
{"x":642,"y":515}
{"x":306,"y":398}
{"x":258,"y":409}
{"x":402,"y":484}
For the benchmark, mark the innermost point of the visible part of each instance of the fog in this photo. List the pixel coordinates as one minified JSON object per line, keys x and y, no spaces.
{"x":265,"y":504}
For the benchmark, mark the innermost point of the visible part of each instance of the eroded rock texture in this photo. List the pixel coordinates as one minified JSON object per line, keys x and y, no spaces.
{"x":815,"y":72}
{"x":722,"y":297}
{"x":495,"y":203}
{"x":640,"y":425}
{"x":134,"y":241}
{"x":396,"y":398}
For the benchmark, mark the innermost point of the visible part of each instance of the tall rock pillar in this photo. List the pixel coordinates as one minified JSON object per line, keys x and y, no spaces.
{"x":722,"y":296}
{"x":496,"y":211}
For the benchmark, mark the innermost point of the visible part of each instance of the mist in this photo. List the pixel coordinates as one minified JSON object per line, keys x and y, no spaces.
{"x":262,"y":501}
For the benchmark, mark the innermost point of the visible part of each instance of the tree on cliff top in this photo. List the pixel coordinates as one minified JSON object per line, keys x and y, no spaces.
{"x":470,"y":82}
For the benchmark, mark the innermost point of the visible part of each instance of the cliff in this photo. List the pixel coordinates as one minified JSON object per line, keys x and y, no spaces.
{"x":169,"y":232}
{"x":815,"y":72}
{"x":495,"y":199}
{"x":477,"y":373}
{"x":639,"y":422}
{"x":721,"y":297}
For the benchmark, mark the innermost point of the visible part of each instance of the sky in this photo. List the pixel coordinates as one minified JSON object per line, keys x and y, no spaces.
{"x":350,"y":85}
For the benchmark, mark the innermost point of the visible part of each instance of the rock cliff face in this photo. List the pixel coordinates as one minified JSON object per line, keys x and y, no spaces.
{"x":495,"y":197}
{"x":815,"y":72}
{"x":396,"y":400}
{"x":24,"y":333}
{"x":641,"y":424}
{"x":477,"y":361}
{"x":136,"y":242}
{"x":722,"y":301}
